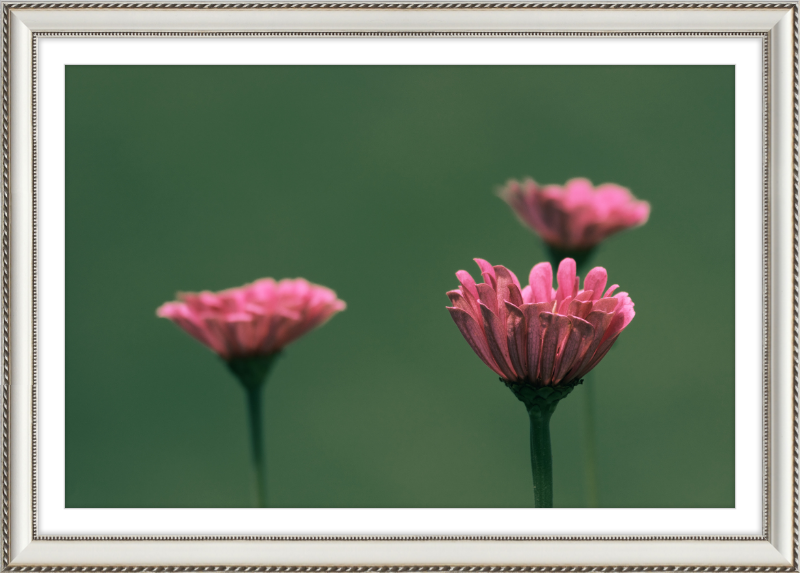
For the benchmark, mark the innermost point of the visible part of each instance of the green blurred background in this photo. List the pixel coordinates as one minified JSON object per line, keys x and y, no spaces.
{"x":379,"y":183}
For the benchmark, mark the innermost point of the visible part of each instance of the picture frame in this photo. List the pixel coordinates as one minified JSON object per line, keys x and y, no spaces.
{"x":775,"y":548}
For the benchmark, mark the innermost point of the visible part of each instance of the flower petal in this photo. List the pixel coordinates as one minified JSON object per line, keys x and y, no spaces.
{"x":541,"y":282}
{"x":460,"y":301}
{"x":517,"y":340}
{"x":535,"y":314}
{"x":606,"y":305}
{"x":473,"y":334}
{"x":596,"y":281}
{"x":488,"y":296}
{"x":580,"y":337}
{"x":527,"y":294}
{"x":599,"y":322}
{"x":487,"y":270}
{"x":599,"y":355}
{"x":496,"y":337}
{"x":566,"y":279}
{"x":579,"y":308}
{"x":468,"y":289}
{"x":506,"y":288}
{"x":553,"y":335}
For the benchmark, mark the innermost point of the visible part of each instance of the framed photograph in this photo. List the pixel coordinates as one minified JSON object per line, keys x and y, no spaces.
{"x":400,"y":286}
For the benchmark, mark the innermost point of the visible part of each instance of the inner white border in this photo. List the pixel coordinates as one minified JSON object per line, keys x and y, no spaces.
{"x":744,"y":53}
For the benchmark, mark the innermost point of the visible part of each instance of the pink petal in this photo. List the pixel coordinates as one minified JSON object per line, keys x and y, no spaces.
{"x":566,"y":279}
{"x":597,"y":358}
{"x":517,"y":340}
{"x":541,"y":282}
{"x":580,"y":336}
{"x":579,"y":308}
{"x":553,"y":336}
{"x":514,"y":295}
{"x":460,"y":301}
{"x":527,"y":294}
{"x":496,"y":337}
{"x":535,"y":316}
{"x":599,"y":322}
{"x":469,"y":290}
{"x":606,"y":305}
{"x":487,"y":296}
{"x":622,"y":300}
{"x":588,"y":336}
{"x":564,"y":305}
{"x":506,"y":289}
{"x":488,"y":272}
{"x":620,"y":320}
{"x":596,"y":281}
{"x":473,"y":334}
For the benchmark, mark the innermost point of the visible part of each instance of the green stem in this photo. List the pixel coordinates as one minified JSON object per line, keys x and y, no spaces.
{"x":590,"y":445}
{"x":541,"y":456}
{"x":556,"y":255}
{"x":540,"y":403}
{"x":252,"y":373}
{"x":257,"y":443}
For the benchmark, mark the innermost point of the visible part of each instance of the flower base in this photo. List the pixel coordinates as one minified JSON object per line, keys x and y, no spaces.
{"x":543,"y":398}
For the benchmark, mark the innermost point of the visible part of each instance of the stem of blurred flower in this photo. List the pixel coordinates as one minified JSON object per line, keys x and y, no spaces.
{"x":556,"y":255}
{"x":256,"y":441}
{"x":589,"y":443}
{"x":582,"y":259}
{"x":541,"y":456}
{"x":252,"y":373}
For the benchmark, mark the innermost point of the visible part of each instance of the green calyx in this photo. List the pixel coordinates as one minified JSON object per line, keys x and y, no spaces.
{"x":252,"y":371}
{"x":541,"y":398}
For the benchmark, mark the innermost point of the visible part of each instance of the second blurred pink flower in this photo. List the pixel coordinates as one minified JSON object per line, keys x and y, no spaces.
{"x":257,"y":319}
{"x":577,"y":216}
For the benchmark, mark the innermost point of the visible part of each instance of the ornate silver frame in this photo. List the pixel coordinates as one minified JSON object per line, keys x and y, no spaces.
{"x":7,"y":560}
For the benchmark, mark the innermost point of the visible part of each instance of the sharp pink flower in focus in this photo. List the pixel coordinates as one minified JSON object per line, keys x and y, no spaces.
{"x":539,"y":335}
{"x":257,"y":319}
{"x":578,"y":216}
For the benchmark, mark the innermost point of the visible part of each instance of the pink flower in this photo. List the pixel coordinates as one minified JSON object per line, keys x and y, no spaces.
{"x":257,"y":319}
{"x":578,"y":216}
{"x":539,"y":335}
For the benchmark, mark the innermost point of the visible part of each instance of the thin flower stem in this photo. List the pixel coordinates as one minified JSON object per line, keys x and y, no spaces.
{"x":252,"y":373}
{"x":257,"y":441}
{"x":540,"y":403}
{"x":541,"y":456}
{"x":589,"y":443}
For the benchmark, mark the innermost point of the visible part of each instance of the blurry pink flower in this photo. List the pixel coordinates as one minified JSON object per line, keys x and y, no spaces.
{"x":257,"y":319}
{"x":539,"y":335}
{"x":578,"y":216}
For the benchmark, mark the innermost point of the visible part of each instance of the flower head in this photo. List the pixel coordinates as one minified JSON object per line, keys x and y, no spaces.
{"x":257,"y":319}
{"x":578,"y":216}
{"x":539,"y":335}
